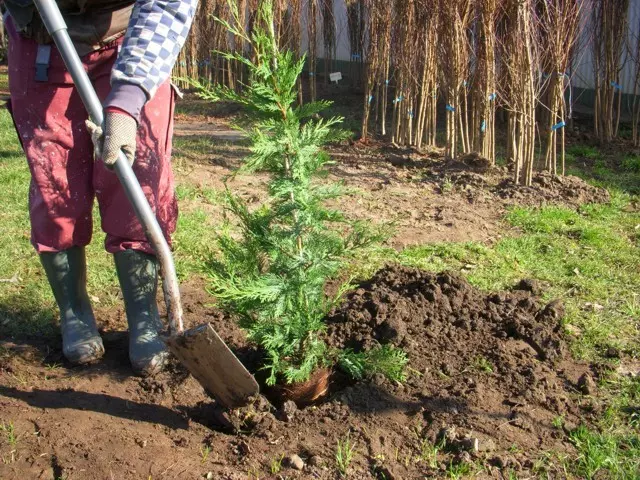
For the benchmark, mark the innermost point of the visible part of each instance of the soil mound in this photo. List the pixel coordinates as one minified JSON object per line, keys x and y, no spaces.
{"x":549,"y":188}
{"x":487,"y":370}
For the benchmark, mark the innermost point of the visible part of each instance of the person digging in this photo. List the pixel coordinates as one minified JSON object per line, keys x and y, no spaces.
{"x":128,"y":48}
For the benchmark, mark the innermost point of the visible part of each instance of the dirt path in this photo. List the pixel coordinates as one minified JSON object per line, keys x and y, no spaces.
{"x":426,"y":199}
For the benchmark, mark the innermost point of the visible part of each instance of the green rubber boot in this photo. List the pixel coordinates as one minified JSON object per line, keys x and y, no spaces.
{"x":67,"y":275}
{"x":138,"y":275}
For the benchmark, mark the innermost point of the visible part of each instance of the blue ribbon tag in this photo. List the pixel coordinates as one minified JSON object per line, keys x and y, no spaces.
{"x":450,"y":108}
{"x":558,"y":125}
{"x":616,"y":86}
{"x":370,"y":98}
{"x":492,"y":97}
{"x":483,"y":126}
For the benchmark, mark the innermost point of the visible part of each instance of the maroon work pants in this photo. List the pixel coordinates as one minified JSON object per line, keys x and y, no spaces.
{"x":50,"y":120}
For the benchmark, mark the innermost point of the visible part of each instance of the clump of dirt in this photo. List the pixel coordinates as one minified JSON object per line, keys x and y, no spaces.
{"x":400,"y":305}
{"x":470,"y":161}
{"x":490,"y":369}
{"x":549,"y":188}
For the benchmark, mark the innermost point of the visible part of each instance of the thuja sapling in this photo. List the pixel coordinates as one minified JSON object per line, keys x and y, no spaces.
{"x":275,"y":260}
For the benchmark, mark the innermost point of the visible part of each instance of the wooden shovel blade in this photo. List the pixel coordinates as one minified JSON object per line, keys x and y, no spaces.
{"x":213,"y":364}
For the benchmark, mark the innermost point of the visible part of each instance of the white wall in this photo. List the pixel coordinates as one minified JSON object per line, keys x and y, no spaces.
{"x":582,"y":70}
{"x":343,"y":50}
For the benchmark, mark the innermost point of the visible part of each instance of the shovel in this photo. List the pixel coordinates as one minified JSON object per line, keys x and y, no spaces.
{"x":200,"y":350}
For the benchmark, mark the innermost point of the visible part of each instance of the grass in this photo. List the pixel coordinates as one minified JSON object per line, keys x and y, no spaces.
{"x":9,"y":433}
{"x":631,"y":163}
{"x":558,"y":422}
{"x":606,"y":455}
{"x":483,"y":365}
{"x":456,"y":471}
{"x":4,"y":79}
{"x":447,"y":185}
{"x":205,"y":450}
{"x":624,"y":403}
{"x":429,"y":453}
{"x":276,"y":464}
{"x":25,"y":302}
{"x":613,"y":172}
{"x":345,"y":452}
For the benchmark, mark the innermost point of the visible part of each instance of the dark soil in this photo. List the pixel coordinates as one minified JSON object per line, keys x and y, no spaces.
{"x":552,"y":189}
{"x":474,"y":175}
{"x":488,"y":376}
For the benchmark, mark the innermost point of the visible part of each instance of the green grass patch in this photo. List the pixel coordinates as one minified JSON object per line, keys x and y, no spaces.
{"x":584,"y":151}
{"x":4,"y":80}
{"x":631,"y":163}
{"x":199,"y":194}
{"x":605,"y":455}
{"x":612,"y":171}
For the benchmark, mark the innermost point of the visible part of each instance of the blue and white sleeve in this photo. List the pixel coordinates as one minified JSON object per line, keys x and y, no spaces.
{"x":157,"y":32}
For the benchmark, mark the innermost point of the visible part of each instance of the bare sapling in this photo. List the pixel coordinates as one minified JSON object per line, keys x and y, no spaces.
{"x":560,"y":22}
{"x":328,"y":37}
{"x":455,"y":18}
{"x":521,"y":87}
{"x":484,"y":80}
{"x":610,"y":24}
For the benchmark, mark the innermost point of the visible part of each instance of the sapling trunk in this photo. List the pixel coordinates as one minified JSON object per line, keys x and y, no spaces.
{"x":609,"y":24}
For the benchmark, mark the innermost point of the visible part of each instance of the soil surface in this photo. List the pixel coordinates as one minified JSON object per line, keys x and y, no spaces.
{"x":489,"y":378}
{"x":427,"y":198}
{"x":490,"y":381}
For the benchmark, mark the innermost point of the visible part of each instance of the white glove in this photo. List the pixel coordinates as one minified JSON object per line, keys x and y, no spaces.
{"x":119,"y":133}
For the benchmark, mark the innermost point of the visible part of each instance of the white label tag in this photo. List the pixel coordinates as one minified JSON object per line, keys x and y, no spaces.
{"x":335,"y":77}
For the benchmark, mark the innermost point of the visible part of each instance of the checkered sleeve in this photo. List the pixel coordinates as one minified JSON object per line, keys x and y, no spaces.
{"x":157,"y":31}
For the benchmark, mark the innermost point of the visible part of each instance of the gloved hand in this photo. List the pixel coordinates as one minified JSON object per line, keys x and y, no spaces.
{"x":119,"y":133}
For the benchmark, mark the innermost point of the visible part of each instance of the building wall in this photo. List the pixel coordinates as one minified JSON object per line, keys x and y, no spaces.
{"x":343,"y":49}
{"x":582,"y":70}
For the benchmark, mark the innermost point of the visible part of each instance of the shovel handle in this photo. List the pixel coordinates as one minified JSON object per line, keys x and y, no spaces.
{"x":57,"y":28}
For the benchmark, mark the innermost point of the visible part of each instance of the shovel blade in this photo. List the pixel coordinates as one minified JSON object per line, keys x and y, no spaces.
{"x":213,"y":364}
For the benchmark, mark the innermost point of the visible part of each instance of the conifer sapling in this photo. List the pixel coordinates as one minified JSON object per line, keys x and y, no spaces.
{"x":272,"y":273}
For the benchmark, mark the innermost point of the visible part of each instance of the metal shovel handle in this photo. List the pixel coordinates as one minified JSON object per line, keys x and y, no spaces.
{"x":57,"y":28}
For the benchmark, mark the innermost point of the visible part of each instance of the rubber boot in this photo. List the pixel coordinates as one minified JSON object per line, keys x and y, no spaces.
{"x":138,"y":275}
{"x":67,"y":275}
